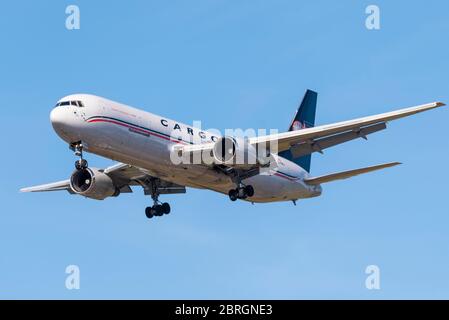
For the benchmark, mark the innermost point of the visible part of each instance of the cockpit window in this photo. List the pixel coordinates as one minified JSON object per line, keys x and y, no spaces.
{"x":76,"y":103}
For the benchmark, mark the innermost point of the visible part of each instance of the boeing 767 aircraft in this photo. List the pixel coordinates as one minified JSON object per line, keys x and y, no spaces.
{"x":146,"y":145}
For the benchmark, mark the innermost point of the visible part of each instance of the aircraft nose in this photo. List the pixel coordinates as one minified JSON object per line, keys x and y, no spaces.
{"x":64,"y":123}
{"x":57,"y":116}
{"x":61,"y":122}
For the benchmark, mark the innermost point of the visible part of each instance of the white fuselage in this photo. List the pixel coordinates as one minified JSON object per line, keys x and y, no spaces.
{"x":145,"y":140}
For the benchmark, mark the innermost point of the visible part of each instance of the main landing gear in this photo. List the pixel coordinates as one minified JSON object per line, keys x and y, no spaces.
{"x":78,"y":149}
{"x":241,"y":192}
{"x":158,"y":209}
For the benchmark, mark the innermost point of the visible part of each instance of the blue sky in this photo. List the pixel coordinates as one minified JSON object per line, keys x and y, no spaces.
{"x":230,"y":64}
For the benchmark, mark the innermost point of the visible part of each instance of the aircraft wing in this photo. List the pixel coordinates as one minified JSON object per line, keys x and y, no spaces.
{"x":123,"y":176}
{"x":54,"y":186}
{"x":308,"y":140}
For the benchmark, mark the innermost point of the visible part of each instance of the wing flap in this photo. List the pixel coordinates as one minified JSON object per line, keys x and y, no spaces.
{"x":318,"y":145}
{"x":348,"y":174}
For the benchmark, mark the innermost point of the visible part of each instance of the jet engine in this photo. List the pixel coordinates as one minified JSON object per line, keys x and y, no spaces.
{"x":93,"y":183}
{"x":237,"y":152}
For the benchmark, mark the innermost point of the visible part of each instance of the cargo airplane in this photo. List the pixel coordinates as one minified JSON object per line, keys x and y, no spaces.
{"x":145,"y":146}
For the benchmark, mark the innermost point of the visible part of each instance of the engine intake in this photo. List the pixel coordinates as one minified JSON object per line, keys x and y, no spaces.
{"x":224,"y":150}
{"x":93,"y":183}
{"x":238,"y":152}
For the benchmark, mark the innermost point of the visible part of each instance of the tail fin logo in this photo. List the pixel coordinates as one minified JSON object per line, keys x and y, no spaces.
{"x":298,"y":125}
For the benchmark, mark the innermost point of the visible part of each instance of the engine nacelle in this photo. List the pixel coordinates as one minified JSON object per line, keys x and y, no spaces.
{"x":237,"y":152}
{"x":93,"y":183}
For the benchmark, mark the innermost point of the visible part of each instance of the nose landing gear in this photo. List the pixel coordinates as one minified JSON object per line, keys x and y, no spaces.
{"x":77,"y":148}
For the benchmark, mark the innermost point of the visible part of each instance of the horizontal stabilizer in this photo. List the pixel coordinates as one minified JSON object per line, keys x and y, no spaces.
{"x":347,"y":174}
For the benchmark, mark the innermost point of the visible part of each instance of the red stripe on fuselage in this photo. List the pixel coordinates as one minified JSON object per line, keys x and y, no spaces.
{"x":284,"y":176}
{"x":136,"y":128}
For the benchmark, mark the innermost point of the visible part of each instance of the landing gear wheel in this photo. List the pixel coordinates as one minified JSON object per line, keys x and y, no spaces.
{"x":165,"y":207}
{"x":233,"y":194}
{"x":241,"y":193}
{"x":149,"y":212}
{"x":81,"y":164}
{"x":249,"y":190}
{"x":158,"y":209}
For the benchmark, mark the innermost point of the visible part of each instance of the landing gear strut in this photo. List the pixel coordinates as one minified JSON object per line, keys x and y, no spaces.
{"x":241,"y":192}
{"x":158,"y":208}
{"x":78,"y":149}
